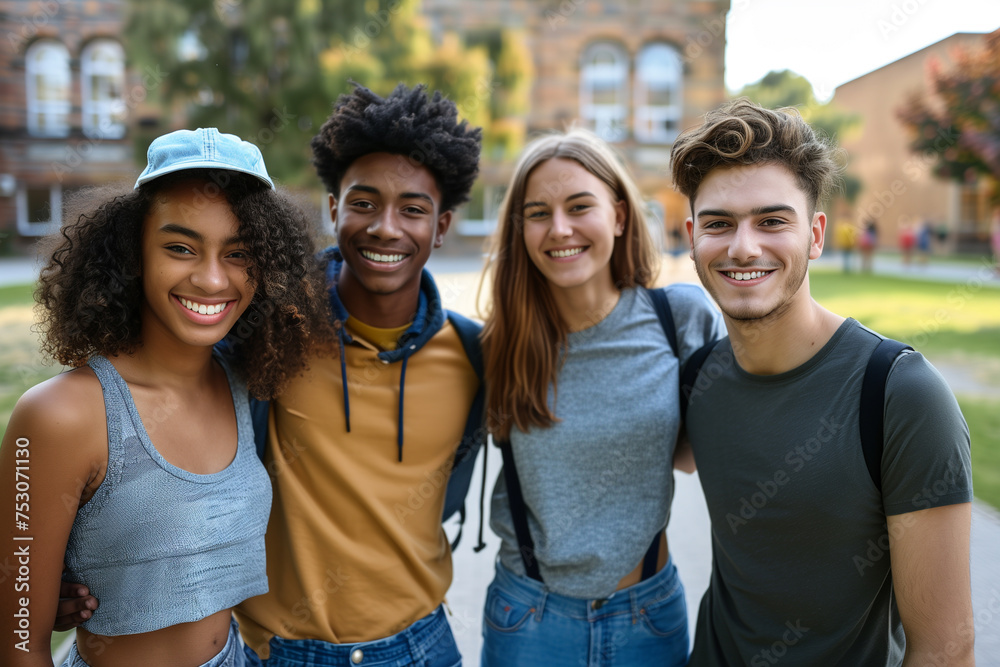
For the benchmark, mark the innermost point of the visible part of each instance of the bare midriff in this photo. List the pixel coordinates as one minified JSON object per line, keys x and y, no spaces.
{"x":181,"y":645}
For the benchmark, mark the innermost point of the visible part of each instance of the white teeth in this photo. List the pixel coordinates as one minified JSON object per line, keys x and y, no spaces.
{"x":376,"y":257}
{"x":752,"y":275}
{"x":202,"y":309}
{"x":566,"y":253}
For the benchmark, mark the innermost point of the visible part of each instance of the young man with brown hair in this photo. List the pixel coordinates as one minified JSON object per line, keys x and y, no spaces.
{"x":820,"y":556}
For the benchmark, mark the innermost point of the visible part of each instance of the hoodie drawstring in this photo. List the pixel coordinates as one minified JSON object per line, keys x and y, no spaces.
{"x":343,"y":379}
{"x":399,"y":429}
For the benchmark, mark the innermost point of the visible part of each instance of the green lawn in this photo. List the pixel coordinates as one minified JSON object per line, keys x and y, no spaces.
{"x":20,"y":363}
{"x":18,"y":295}
{"x":983,"y":417}
{"x":939,"y":319}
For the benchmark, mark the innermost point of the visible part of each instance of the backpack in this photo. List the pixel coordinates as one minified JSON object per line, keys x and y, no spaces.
{"x":871,"y":415}
{"x":518,"y":511}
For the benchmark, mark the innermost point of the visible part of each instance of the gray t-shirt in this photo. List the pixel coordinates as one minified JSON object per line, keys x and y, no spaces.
{"x":801,"y":562}
{"x":598,"y":483}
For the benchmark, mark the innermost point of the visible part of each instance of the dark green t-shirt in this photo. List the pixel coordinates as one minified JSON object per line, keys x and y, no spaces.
{"x":800,"y":569}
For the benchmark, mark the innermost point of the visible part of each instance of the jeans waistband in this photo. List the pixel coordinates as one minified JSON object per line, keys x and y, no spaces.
{"x":627,"y":600}
{"x":407,"y":643}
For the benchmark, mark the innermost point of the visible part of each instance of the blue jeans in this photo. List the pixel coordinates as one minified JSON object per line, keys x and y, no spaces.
{"x":229,"y":656}
{"x":524,"y":624}
{"x":426,"y":643}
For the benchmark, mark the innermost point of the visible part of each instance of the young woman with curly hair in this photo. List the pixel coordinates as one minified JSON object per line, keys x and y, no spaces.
{"x":139,"y":468}
{"x":578,"y":362}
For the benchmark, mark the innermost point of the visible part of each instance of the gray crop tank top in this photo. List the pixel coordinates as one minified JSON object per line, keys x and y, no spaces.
{"x":158,"y":545}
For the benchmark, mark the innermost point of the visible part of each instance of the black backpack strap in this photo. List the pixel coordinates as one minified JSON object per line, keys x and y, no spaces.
{"x":649,"y":560}
{"x":662,"y":308}
{"x":474,"y":435}
{"x":689,"y":374}
{"x":872,"y":413}
{"x":519,"y":512}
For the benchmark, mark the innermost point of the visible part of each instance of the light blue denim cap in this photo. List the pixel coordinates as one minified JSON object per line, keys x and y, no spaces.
{"x":204,"y":148}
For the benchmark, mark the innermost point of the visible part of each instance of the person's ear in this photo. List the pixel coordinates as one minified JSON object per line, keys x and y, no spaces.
{"x":689,"y":225}
{"x":443,"y":223}
{"x":332,"y":201}
{"x":621,"y":216}
{"x":818,"y":231}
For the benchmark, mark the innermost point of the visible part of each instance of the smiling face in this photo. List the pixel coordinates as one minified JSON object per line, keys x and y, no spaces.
{"x":571,"y":219}
{"x":751,"y":239}
{"x":388,"y":219}
{"x":194,"y":276}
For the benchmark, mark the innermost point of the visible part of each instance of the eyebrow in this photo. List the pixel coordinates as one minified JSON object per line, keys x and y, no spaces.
{"x":405,"y":195}
{"x":585,"y":193}
{"x":759,"y":210}
{"x":174,"y":228}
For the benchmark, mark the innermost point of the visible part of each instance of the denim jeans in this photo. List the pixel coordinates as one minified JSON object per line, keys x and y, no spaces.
{"x":426,"y":643}
{"x":230,"y":656}
{"x":524,"y":624}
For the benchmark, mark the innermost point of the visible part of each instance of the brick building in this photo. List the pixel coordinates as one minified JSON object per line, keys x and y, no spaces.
{"x":636,"y":72}
{"x":66,"y":98}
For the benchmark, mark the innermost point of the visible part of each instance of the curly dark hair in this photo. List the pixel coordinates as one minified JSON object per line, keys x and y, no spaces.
{"x":90,"y":291}
{"x":742,"y":132}
{"x":408,"y":123}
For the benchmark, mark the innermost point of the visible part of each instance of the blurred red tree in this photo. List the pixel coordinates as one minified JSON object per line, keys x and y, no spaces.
{"x":956,"y":123}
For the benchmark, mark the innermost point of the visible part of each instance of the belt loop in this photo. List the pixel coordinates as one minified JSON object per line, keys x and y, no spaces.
{"x":633,"y":597}
{"x":416,"y":650}
{"x":541,"y":605}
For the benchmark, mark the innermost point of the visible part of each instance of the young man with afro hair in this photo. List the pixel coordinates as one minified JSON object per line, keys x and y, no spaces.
{"x":365,"y":446}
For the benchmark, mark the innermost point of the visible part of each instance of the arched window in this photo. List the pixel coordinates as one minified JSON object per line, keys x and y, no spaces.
{"x":658,"y":83}
{"x":604,"y":90}
{"x":48,"y":83}
{"x":102,"y":69}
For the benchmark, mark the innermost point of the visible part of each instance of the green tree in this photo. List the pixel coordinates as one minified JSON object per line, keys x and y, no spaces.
{"x":956,"y":122}
{"x":787,"y":89}
{"x":270,"y":71}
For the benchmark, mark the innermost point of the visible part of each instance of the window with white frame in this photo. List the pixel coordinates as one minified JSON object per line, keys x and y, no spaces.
{"x":604,"y":90}
{"x":659,"y":75}
{"x":102,"y":68}
{"x":39,"y":209}
{"x":48,"y":88}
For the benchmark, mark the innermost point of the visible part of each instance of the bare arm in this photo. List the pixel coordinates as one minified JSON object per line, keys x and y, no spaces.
{"x":42,"y":479}
{"x":929,"y":551}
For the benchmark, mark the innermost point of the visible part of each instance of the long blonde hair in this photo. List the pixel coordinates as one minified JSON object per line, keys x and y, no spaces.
{"x":524,"y":332}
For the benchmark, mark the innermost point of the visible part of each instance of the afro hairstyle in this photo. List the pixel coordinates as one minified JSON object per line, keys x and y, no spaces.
{"x":407,"y":122}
